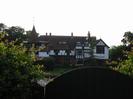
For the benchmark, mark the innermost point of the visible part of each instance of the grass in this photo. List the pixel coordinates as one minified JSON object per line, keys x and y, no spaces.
{"x":57,"y":71}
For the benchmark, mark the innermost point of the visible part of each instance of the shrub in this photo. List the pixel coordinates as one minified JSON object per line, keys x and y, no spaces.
{"x":126,"y":66}
{"x":48,"y":63}
{"x":17,"y":71}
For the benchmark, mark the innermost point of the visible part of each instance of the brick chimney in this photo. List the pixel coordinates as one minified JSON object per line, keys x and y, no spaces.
{"x":50,"y":34}
{"x":89,"y":35}
{"x":72,"y":34}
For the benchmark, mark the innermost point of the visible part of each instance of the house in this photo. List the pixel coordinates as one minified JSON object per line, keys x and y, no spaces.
{"x":69,"y":49}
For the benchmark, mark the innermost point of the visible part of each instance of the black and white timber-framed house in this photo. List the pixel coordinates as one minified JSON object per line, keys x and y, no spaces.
{"x":68,"y":49}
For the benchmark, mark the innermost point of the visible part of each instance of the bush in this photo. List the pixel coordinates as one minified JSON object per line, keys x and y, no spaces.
{"x":48,"y":63}
{"x":17,"y":72}
{"x":126,"y":66}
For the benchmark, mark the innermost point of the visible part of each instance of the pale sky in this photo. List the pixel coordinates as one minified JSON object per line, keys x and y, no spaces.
{"x":106,"y":19}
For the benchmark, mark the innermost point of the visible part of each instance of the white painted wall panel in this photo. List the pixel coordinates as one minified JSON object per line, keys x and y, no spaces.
{"x":43,"y":54}
{"x":51,"y":52}
{"x":78,"y":47}
{"x":72,"y":53}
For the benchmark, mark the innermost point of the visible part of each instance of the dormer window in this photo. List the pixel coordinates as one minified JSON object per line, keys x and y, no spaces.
{"x":100,"y":49}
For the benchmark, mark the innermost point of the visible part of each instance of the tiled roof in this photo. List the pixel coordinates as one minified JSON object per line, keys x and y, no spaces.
{"x":62,"y":42}
{"x":34,"y":30}
{"x":97,"y":41}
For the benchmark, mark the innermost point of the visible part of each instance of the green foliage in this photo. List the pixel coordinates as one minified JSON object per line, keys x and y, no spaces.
{"x":112,"y":63}
{"x":55,"y":72}
{"x":126,"y":66}
{"x":15,"y":33}
{"x":128,"y":38}
{"x":2,"y":27}
{"x":117,"y":53}
{"x":17,"y":71}
{"x":48,"y":63}
{"x":123,"y":55}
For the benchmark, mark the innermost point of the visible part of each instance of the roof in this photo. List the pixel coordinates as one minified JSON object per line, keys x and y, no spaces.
{"x":102,"y":41}
{"x":33,"y":30}
{"x":62,"y":42}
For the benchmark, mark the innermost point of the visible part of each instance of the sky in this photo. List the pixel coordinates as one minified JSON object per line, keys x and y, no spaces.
{"x":105,"y":19}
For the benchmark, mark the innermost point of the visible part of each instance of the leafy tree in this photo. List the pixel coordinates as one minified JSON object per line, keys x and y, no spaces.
{"x":128,"y":38}
{"x":15,"y":33}
{"x":17,"y":72}
{"x":126,"y":66}
{"x":48,"y":63}
{"x":118,"y":53}
{"x":2,"y":27}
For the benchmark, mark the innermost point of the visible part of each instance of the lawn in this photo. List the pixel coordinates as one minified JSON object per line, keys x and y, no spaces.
{"x":57,"y":71}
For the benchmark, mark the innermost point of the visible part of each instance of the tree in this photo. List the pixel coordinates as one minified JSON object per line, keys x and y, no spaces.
{"x":124,"y":53}
{"x":2,"y":27}
{"x":48,"y":63}
{"x":15,"y":33}
{"x":118,"y":53}
{"x":126,"y":66}
{"x":17,"y":71}
{"x":128,"y":38}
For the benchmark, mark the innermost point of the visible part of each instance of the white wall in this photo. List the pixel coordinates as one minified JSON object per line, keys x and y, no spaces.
{"x":43,"y":54}
{"x":62,"y":52}
{"x":106,"y":52}
{"x":102,"y":56}
{"x":51,"y":52}
{"x":87,"y":55}
{"x":72,"y":53}
{"x":78,"y":47}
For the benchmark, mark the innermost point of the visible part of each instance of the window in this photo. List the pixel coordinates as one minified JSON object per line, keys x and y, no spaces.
{"x":79,"y":52}
{"x":100,"y":49}
{"x":78,"y":44}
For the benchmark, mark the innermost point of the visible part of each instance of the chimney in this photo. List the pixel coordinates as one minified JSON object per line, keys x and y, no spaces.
{"x":72,"y":34}
{"x":46,"y":33}
{"x":89,"y":35}
{"x":50,"y":34}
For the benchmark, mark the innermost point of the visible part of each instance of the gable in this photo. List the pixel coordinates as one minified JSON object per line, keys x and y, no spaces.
{"x":100,"y":42}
